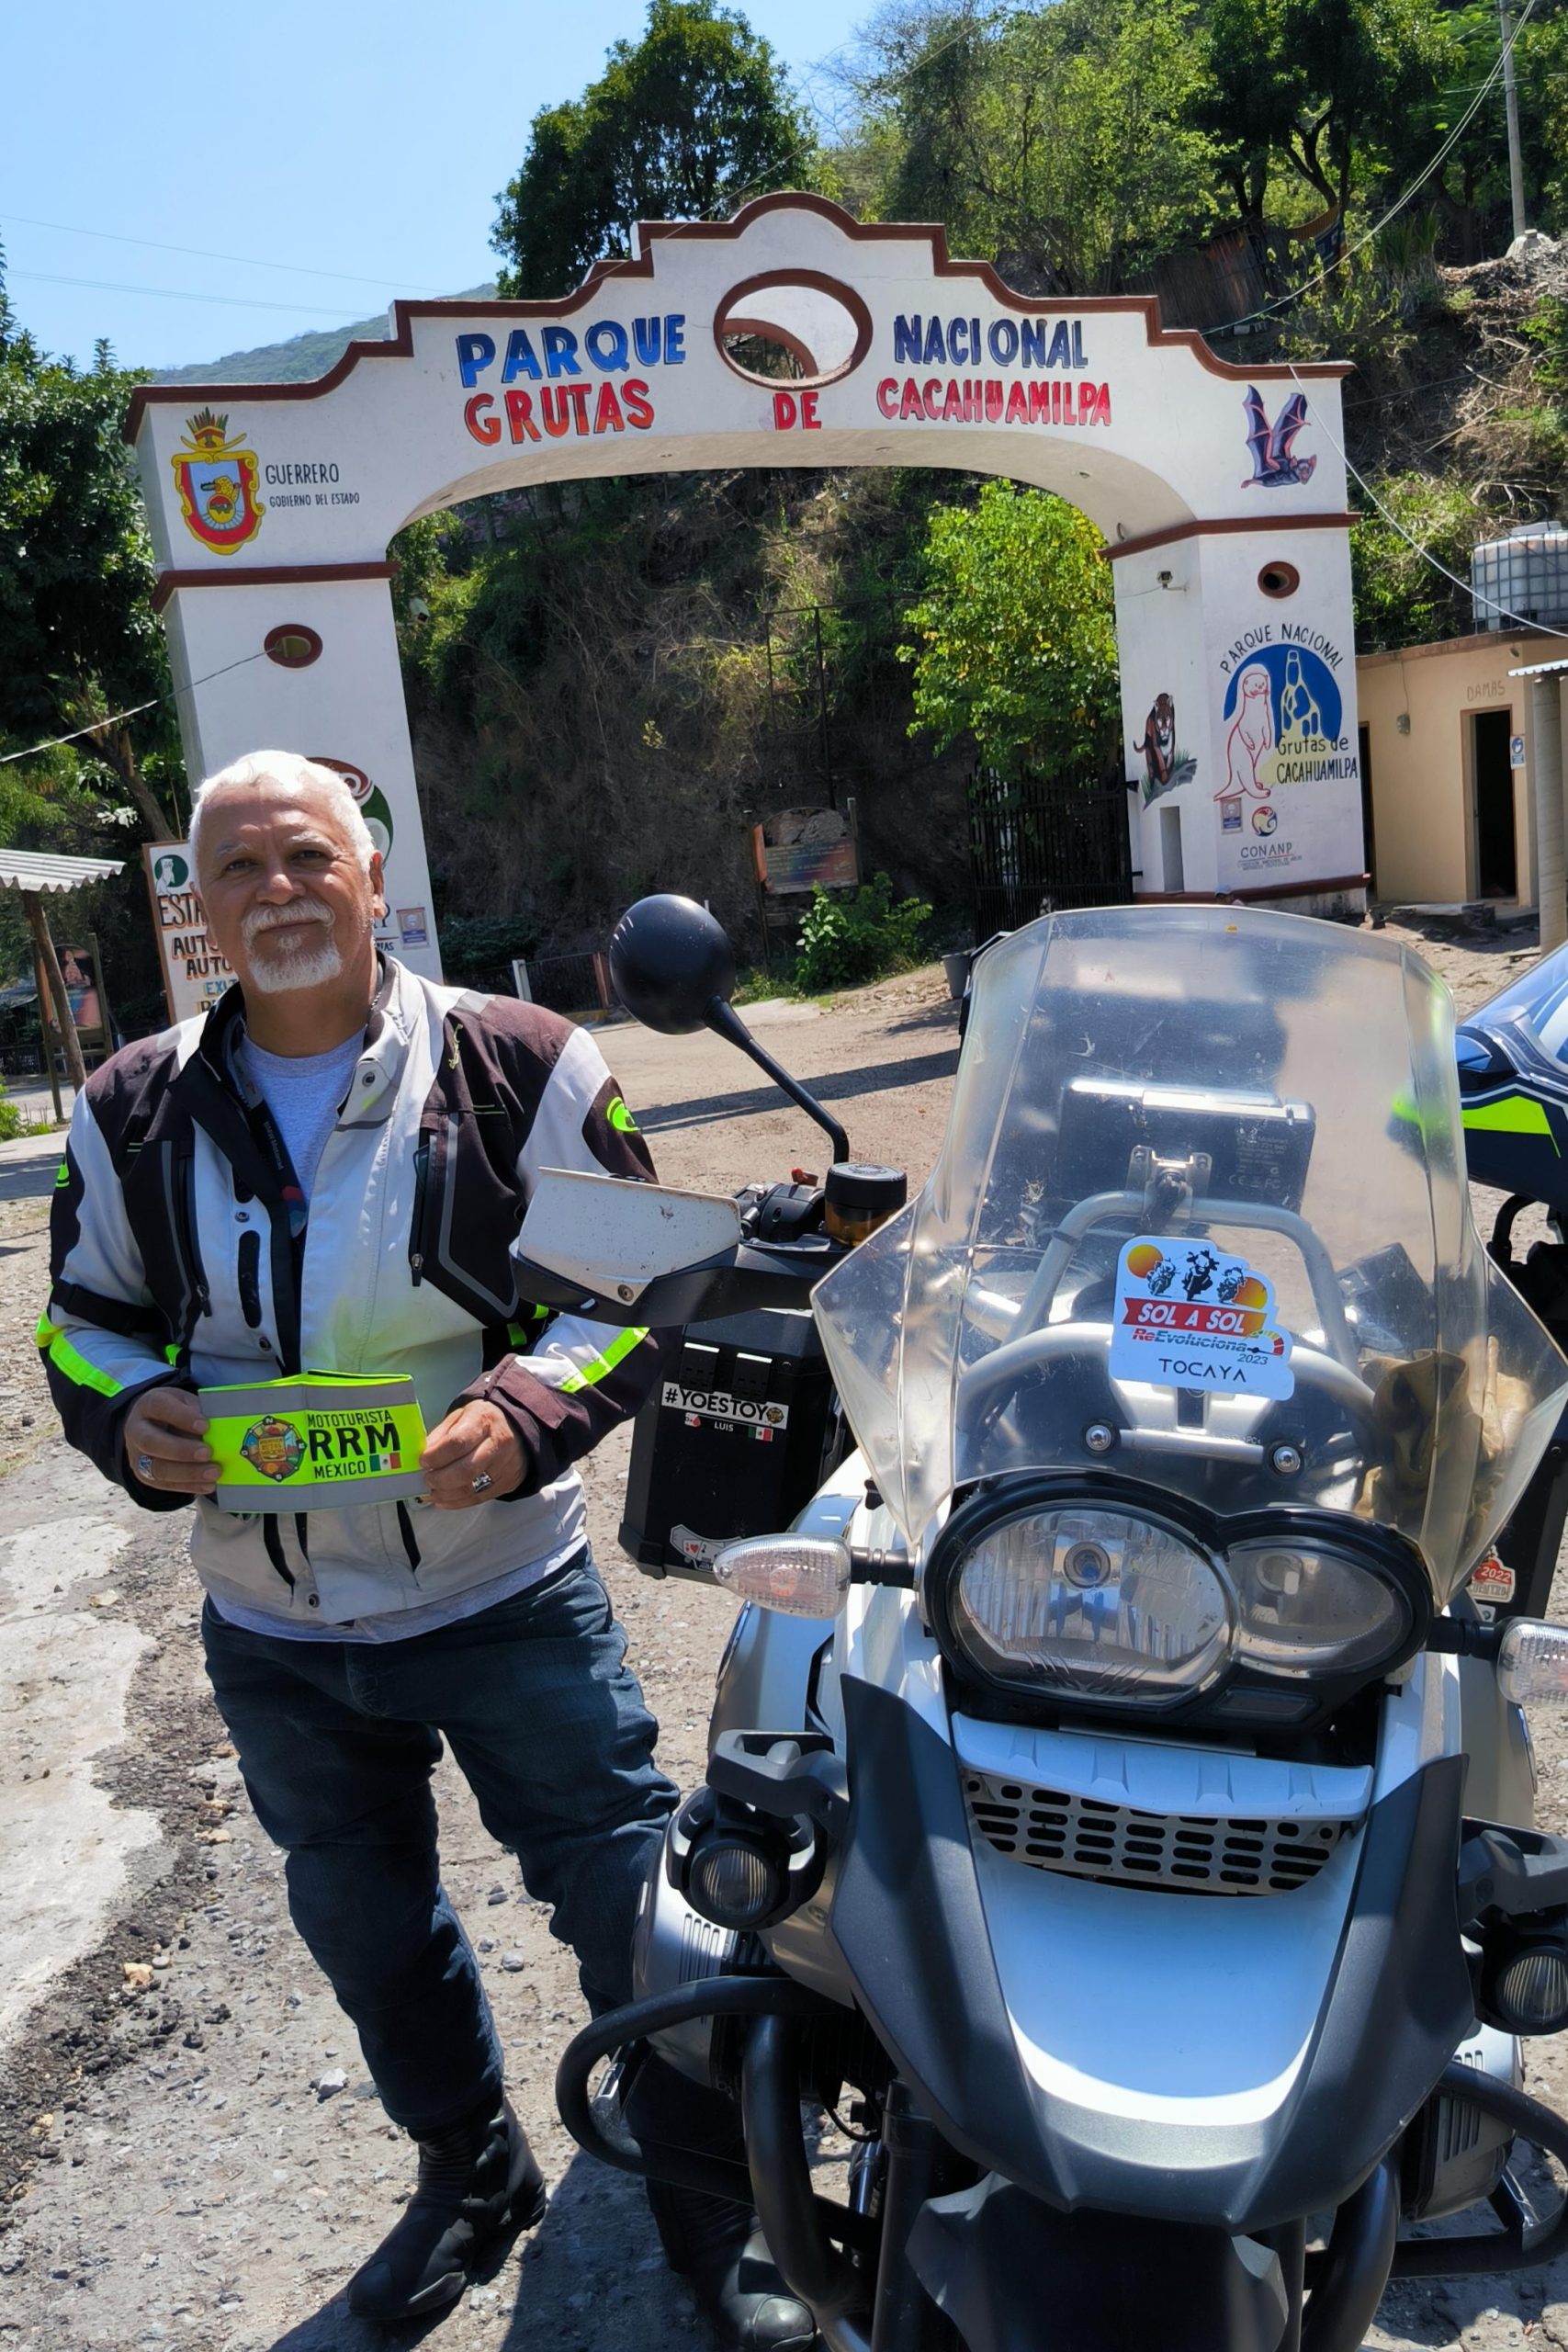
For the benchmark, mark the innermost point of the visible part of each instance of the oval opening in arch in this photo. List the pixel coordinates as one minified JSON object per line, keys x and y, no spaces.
{"x":792,"y":326}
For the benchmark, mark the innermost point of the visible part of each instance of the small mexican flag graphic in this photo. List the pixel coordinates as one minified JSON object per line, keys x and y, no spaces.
{"x":385,"y":1462}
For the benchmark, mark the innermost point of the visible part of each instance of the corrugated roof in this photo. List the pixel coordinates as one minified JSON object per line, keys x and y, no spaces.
{"x":27,"y":869}
{"x":1541,"y":669}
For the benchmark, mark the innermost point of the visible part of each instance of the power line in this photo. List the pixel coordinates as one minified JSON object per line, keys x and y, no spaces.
{"x":199,"y":253}
{"x":176,"y":294}
{"x":1524,"y":621}
{"x":97,"y":726}
{"x":1413,"y":190}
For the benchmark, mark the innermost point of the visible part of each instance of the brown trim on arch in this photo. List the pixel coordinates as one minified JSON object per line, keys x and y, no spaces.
{"x":1247,"y":897}
{"x":269,"y":575}
{"x":853,"y":303}
{"x":1217,"y":526}
{"x":400,"y":345}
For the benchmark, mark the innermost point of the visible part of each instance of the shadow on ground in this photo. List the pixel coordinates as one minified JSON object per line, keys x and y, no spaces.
{"x":589,"y":2278}
{"x":834,"y":1086}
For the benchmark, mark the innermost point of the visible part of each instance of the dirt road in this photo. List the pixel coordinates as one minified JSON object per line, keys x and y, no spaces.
{"x":189,"y":2144}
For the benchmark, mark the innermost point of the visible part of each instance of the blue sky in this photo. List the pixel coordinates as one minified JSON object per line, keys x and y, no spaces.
{"x":338,"y":136}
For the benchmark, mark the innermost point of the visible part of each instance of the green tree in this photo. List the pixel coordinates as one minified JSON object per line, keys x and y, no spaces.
{"x":1321,"y":89}
{"x":78,"y":638}
{"x":1399,"y":598}
{"x":1064,"y":141}
{"x":1014,"y":639}
{"x":684,"y":124}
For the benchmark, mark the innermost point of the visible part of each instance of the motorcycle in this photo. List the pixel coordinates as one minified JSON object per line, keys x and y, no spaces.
{"x":1118,"y":1812}
{"x":1514,"y":1105}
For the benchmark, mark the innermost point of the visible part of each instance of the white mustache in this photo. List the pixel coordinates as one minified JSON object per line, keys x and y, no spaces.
{"x":261,"y":919}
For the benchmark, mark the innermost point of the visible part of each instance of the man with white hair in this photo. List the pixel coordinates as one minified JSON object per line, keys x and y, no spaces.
{"x":324,"y":1178}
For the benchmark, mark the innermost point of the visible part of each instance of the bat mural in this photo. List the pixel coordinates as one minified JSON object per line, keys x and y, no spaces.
{"x":1275,"y":465}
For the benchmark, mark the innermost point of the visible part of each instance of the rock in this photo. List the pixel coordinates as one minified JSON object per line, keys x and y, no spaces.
{"x":513,"y":1963}
{"x":102,"y":1599}
{"x":138,"y":1974}
{"x":329,"y":2085}
{"x":496,"y":1894}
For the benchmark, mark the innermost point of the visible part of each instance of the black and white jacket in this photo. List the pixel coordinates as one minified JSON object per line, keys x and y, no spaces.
{"x":182,"y":1252}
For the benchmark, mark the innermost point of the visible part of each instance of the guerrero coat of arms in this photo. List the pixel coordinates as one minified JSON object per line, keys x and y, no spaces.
{"x":216,"y":480}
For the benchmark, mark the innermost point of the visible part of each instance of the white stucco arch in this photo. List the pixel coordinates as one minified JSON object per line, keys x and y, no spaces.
{"x":1220,"y":489}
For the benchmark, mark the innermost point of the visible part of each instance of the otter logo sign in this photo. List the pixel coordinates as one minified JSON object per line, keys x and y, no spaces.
{"x":1282,"y":734}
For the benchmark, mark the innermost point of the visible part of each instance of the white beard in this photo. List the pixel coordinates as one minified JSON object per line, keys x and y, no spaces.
{"x":302,"y":967}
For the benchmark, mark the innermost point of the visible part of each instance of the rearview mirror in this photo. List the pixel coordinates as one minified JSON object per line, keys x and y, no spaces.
{"x":614,"y":1238}
{"x":671,"y":962}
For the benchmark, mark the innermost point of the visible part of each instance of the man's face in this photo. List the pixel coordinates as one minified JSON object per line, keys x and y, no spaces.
{"x":287,"y":899}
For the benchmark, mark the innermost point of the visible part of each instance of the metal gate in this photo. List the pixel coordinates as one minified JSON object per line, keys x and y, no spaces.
{"x":1036,"y":847}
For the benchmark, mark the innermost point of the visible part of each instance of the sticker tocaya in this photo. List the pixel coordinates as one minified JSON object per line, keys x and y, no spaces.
{"x":1190,"y":1315}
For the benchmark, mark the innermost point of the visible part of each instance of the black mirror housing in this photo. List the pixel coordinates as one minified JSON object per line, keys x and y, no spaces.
{"x":671,"y":961}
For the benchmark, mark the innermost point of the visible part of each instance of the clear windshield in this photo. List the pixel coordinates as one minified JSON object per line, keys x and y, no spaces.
{"x":1200,"y":1216}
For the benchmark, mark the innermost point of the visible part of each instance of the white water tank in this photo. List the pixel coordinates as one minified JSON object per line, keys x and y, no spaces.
{"x":1521,"y":578}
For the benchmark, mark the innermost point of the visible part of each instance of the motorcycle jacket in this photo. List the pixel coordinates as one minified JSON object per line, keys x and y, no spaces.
{"x":182,"y":1252}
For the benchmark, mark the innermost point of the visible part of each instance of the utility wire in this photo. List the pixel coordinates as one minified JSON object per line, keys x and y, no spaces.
{"x":177,"y":294}
{"x":1541,"y":629}
{"x":199,"y":253}
{"x":98,"y":724}
{"x":1410,"y":194}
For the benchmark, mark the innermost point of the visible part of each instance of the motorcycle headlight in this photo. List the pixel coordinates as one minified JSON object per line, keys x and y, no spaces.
{"x":1094,"y":1603}
{"x":1302,"y":1609}
{"x":1070,"y":1597}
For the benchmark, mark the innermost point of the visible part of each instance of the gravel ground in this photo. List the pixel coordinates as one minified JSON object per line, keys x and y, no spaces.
{"x":190,"y":2149}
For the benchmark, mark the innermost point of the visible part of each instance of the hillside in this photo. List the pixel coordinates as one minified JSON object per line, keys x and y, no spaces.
{"x":298,"y":360}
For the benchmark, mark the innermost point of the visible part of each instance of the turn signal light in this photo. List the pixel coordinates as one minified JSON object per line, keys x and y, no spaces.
{"x":1532,"y":1664}
{"x":801,"y":1576}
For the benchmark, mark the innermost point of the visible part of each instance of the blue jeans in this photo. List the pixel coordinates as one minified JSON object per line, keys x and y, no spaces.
{"x":337,"y":1742}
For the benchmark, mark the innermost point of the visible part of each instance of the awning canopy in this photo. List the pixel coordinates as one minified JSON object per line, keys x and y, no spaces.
{"x":26,"y":869}
{"x":1540,"y":669}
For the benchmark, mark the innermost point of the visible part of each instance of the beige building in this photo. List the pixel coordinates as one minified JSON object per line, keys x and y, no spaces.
{"x":1446,"y":779}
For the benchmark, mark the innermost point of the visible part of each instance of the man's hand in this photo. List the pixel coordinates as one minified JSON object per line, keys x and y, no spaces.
{"x":165,"y":1443}
{"x":476,"y":1443}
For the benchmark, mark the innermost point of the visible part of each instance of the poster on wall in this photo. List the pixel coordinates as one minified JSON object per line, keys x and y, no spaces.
{"x":1287,"y":806}
{"x":800,"y":849}
{"x":83,"y":975}
{"x":194,"y":973}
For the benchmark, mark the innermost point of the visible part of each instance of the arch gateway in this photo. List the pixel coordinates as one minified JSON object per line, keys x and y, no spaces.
{"x":1219,"y":491}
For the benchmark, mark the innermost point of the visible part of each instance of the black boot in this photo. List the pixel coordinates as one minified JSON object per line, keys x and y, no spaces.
{"x":478,"y":2186}
{"x":715,"y":2245}
{"x":719,"y":2250}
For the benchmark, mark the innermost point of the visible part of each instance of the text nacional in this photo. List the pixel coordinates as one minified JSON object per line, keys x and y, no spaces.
{"x":1026,"y":344}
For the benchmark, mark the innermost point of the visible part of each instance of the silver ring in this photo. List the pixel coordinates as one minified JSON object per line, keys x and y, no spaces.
{"x":144,"y":1465}
{"x":482,"y":1482}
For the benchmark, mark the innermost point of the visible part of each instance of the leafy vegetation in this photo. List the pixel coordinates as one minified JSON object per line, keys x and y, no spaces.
{"x":1062,"y":141}
{"x":859,"y":936}
{"x":1400,"y":599}
{"x":1014,"y":643}
{"x":683,"y":124}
